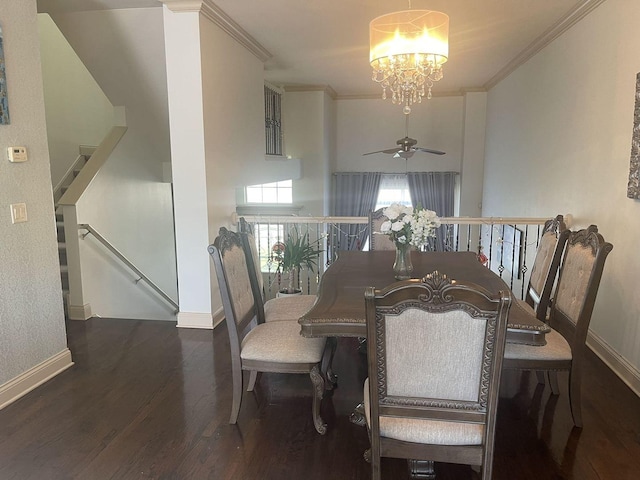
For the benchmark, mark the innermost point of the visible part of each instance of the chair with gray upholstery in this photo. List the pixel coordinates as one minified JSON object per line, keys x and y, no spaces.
{"x":290,"y":307}
{"x":569,"y":317}
{"x":376,"y":240}
{"x":435,"y":354}
{"x":545,"y":267}
{"x":275,"y":346}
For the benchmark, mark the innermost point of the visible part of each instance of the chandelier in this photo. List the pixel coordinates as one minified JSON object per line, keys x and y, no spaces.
{"x":407,"y":51}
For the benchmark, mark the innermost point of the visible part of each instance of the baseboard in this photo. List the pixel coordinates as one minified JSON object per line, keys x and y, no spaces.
{"x":79,"y":312}
{"x":195,"y":320}
{"x":621,"y":367}
{"x":35,"y":376}
{"x":218,"y":317}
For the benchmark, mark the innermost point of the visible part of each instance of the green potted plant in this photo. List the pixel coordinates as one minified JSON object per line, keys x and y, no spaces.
{"x":292,"y":255}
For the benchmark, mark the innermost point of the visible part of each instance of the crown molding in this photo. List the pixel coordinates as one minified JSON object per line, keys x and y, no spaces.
{"x":312,"y":88}
{"x":215,"y":14}
{"x":572,"y":17}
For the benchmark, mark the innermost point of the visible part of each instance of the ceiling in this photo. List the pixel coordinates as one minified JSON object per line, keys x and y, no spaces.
{"x":326,"y":42}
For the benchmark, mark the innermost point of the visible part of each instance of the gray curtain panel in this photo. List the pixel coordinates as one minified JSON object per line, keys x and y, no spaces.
{"x":435,"y":191}
{"x":354,"y":195}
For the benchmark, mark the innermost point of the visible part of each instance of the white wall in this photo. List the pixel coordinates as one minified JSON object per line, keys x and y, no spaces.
{"x":309,"y":136}
{"x":558,"y":141}
{"x":32,"y":327}
{"x":374,"y":124}
{"x":78,"y":112}
{"x":127,"y":202}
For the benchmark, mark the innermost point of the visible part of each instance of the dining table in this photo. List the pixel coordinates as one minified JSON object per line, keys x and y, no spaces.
{"x":339,"y":310}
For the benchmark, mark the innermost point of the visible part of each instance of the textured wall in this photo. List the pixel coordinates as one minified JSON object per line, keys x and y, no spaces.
{"x":559,"y":140}
{"x":31,"y":316}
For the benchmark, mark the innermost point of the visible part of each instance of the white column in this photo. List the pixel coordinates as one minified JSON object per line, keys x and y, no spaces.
{"x":472,"y":168}
{"x":184,"y":85}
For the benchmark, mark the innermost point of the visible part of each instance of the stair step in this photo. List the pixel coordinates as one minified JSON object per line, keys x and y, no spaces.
{"x":62,"y":246}
{"x":64,"y":269}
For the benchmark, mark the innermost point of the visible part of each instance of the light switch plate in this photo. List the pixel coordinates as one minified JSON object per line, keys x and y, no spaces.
{"x":18,"y":212}
{"x":17,"y":154}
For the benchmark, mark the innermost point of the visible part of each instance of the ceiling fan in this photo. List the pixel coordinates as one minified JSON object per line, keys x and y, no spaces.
{"x":406,"y":146}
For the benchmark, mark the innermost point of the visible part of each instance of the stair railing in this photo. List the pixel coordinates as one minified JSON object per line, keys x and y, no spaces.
{"x":77,"y":308}
{"x":67,"y":178}
{"x":92,"y":231}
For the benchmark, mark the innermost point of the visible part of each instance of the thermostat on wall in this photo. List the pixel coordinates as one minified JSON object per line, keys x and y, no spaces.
{"x":17,"y":154}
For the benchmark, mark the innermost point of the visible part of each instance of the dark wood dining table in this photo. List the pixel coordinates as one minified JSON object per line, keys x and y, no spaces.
{"x":340,"y":308}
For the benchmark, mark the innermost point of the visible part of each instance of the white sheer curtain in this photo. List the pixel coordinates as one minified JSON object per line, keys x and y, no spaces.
{"x":394,"y":188}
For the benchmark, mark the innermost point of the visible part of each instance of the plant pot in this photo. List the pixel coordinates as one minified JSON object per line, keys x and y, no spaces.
{"x":284,"y":293}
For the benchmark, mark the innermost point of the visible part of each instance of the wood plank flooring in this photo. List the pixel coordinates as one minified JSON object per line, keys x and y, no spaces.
{"x":146,"y":400}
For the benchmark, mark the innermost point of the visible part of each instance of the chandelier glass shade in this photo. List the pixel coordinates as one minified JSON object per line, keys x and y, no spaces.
{"x":407,"y":51}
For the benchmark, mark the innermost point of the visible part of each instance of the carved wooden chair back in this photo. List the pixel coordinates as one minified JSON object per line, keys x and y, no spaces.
{"x":253,"y":264}
{"x":232,"y":274}
{"x":435,"y":354}
{"x":376,"y":240}
{"x":545,"y":267}
{"x":578,"y":284}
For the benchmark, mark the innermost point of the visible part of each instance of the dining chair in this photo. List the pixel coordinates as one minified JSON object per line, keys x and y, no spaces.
{"x":569,"y":317}
{"x":274,"y":347}
{"x":434,"y":354}
{"x":290,"y":307}
{"x":376,"y":240}
{"x":545,"y":266}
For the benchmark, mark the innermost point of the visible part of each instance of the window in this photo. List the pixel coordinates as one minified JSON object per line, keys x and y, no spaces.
{"x":267,"y":235}
{"x":273,"y":120}
{"x":394,"y":188}
{"x":274,"y":193}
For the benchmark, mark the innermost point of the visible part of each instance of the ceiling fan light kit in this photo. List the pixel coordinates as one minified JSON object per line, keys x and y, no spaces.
{"x":406,"y":146}
{"x":407,"y":51}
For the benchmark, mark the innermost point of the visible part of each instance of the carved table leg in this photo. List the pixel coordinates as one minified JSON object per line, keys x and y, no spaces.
{"x":327,"y":363}
{"x":357,"y":417}
{"x":421,"y":469}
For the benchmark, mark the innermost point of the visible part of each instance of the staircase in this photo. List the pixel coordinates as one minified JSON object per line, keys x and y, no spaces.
{"x":60,"y":189}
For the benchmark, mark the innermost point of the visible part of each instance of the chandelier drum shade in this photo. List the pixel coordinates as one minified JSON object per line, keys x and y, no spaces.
{"x":407,"y":51}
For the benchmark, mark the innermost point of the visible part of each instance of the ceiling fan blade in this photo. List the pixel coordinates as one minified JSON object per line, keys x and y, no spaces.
{"x":390,"y":150}
{"x":428,"y":150}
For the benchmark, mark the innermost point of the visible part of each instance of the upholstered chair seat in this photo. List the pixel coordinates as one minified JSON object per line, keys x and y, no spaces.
{"x":288,"y":308}
{"x":556,"y":349}
{"x":280,"y":342}
{"x":418,"y":430}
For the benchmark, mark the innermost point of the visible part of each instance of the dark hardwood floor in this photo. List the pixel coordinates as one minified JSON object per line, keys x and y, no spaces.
{"x":146,"y":400}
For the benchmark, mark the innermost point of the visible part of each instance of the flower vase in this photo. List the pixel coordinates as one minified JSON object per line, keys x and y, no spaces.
{"x":403,"y":267}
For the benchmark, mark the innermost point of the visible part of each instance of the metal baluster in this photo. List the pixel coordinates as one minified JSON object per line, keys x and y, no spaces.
{"x":524,"y":262}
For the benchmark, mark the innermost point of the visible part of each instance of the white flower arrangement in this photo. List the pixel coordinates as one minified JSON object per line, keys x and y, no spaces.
{"x":407,"y":225}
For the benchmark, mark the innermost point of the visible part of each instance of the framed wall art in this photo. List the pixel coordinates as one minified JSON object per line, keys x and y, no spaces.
{"x":633,"y":188}
{"x":4,"y":101}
